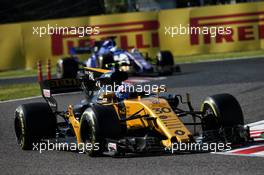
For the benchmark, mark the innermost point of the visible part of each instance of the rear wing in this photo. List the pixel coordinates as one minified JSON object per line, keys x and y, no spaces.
{"x":58,"y":86}
{"x":86,"y":83}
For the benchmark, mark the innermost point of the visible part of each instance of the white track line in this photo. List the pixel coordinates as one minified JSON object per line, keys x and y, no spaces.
{"x":20,"y":99}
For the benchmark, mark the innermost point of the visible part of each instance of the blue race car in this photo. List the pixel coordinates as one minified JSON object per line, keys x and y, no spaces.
{"x":105,"y":53}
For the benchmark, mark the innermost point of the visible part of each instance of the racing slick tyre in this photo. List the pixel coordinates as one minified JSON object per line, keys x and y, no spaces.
{"x":105,"y":59}
{"x":33,"y":122}
{"x":223,"y":111}
{"x":165,"y":63}
{"x":67,"y":68}
{"x":97,"y":123}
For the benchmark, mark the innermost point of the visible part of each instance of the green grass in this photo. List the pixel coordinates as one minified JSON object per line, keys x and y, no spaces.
{"x":21,"y":73}
{"x":18,"y":73}
{"x":15,"y":91}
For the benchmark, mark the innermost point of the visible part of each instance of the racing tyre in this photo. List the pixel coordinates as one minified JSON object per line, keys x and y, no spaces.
{"x":67,"y":68}
{"x":223,"y":111}
{"x":165,"y":63}
{"x":97,"y":123}
{"x":33,"y":122}
{"x":105,"y":59}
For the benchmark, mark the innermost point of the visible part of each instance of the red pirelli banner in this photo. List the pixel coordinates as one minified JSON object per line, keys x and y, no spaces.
{"x":242,"y":28}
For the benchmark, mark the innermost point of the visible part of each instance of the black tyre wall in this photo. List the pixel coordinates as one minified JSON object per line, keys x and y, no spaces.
{"x":165,"y":58}
{"x":38,"y":121}
{"x":106,"y":121}
{"x":97,"y":123}
{"x":226,"y":108}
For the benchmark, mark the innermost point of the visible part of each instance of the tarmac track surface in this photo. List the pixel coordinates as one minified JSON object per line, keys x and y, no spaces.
{"x":242,"y":78}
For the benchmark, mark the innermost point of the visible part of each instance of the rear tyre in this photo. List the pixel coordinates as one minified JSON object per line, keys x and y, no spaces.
{"x":222,"y":111}
{"x":33,"y":122}
{"x":67,"y":68}
{"x":97,"y":123}
{"x":165,"y":63}
{"x":105,"y":59}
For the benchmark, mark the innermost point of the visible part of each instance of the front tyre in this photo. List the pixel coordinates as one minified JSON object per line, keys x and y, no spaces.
{"x":222,"y":112}
{"x":89,"y":133}
{"x":98,"y":123}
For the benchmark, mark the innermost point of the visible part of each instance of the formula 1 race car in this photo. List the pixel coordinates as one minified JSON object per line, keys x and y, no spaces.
{"x":118,"y":122}
{"x":106,"y":52}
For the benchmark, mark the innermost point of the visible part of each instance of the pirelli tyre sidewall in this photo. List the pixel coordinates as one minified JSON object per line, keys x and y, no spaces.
{"x":34,"y":122}
{"x":221,"y":111}
{"x":98,"y":123}
{"x":165,"y":63}
{"x":225,"y":110}
{"x":67,"y":68}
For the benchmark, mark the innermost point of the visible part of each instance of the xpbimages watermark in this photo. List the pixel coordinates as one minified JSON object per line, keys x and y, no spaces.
{"x":54,"y":146}
{"x":62,"y":30}
{"x":213,"y":31}
{"x":198,"y":147}
{"x":129,"y":88}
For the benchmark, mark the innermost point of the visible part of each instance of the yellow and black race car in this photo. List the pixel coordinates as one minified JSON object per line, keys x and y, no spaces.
{"x":137,"y":123}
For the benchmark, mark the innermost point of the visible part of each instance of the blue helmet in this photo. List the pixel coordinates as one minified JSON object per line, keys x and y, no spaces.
{"x":123,"y":91}
{"x":109,"y":44}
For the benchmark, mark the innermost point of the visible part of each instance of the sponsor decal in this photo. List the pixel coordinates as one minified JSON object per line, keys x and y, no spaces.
{"x":64,"y":83}
{"x":155,"y":101}
{"x":46,"y":93}
{"x":161,"y":110}
{"x":112,"y":147}
{"x":179,"y":132}
{"x":245,"y":27}
{"x":162,"y":117}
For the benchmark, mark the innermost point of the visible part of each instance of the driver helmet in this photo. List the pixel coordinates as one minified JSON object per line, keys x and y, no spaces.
{"x":134,"y":50}
{"x":109,"y":43}
{"x":123,"y":91}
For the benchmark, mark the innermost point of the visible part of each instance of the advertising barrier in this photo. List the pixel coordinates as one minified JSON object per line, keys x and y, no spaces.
{"x":225,"y":28}
{"x":201,"y":30}
{"x":11,"y":47}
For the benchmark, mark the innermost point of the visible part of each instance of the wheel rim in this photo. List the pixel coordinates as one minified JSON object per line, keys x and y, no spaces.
{"x":87,"y":132}
{"x":19,"y":131}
